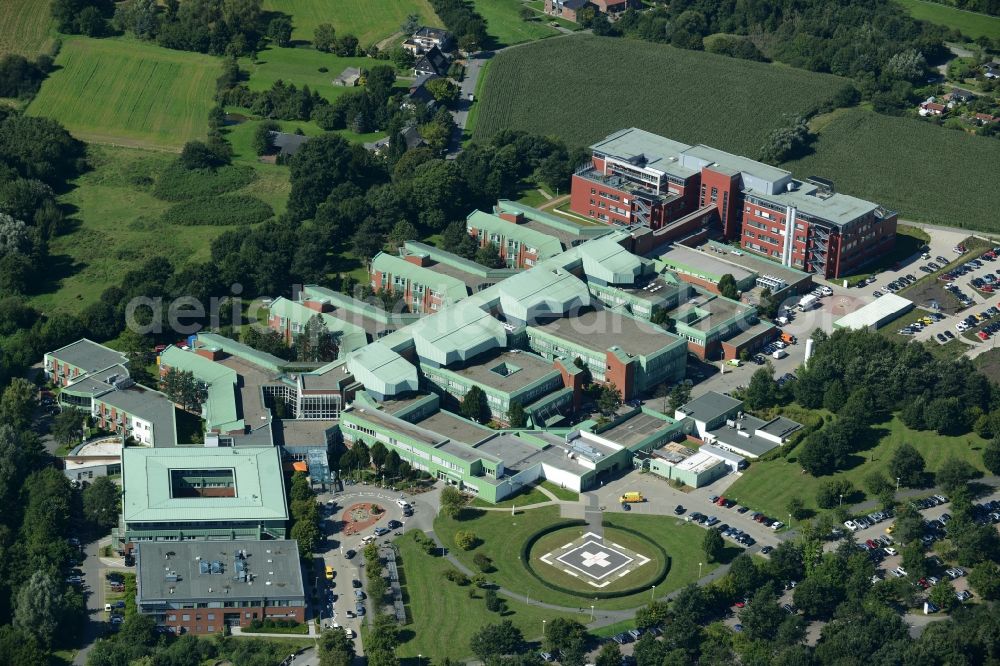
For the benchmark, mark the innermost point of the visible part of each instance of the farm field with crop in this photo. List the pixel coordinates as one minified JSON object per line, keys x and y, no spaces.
{"x":368,"y":20}
{"x":972,"y":24}
{"x":25,"y":27}
{"x":884,"y":159}
{"x":129,"y":93}
{"x":504,"y":24}
{"x":664,"y":91}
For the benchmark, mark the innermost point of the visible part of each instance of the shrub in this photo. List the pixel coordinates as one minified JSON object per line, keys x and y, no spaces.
{"x":465,"y":539}
{"x":178,"y":184}
{"x":457,"y":577}
{"x":484,"y":563}
{"x":219,"y":211}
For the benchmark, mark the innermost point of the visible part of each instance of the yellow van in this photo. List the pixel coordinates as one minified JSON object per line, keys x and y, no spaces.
{"x":329,"y":572}
{"x":632,"y":497}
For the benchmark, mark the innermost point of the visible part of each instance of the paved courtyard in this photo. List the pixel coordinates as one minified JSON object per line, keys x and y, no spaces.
{"x":590,"y":559}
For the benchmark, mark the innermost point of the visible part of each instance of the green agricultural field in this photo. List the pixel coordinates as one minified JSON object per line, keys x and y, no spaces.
{"x":445,"y":617}
{"x":301,"y":67}
{"x":502,"y":535}
{"x":884,"y":159}
{"x":25,"y":27}
{"x":119,"y":228}
{"x":971,"y":24}
{"x":129,"y":93}
{"x":659,"y":88}
{"x":768,"y":485}
{"x":504,"y":24}
{"x":368,"y":20}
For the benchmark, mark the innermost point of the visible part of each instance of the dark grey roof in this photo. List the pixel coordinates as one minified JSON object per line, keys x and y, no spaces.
{"x":710,"y":406}
{"x":432,"y":61}
{"x":148,"y":405}
{"x":288,"y":144}
{"x":752,"y":445}
{"x":575,"y":4}
{"x":273,"y":566}
{"x":781,"y":427}
{"x":89,"y":356}
{"x":433,"y":33}
{"x":411,"y":135}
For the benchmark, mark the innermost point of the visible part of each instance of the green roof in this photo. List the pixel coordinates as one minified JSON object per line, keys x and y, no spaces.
{"x":455,"y":261}
{"x":219,"y":409}
{"x":564,"y":225}
{"x":351,"y":337}
{"x":457,"y":333}
{"x":605,"y":259}
{"x":546,"y":246}
{"x":355,"y":306}
{"x":233,"y":348}
{"x":147,"y":496}
{"x":542,"y":292}
{"x":451,"y":289}
{"x":382,"y":370}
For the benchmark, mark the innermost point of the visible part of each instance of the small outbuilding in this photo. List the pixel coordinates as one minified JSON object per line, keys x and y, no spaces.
{"x":348,"y":78}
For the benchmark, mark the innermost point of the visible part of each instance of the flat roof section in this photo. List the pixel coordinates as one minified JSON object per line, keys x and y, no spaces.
{"x":88,"y":355}
{"x":147,"y":496}
{"x":732,"y":164}
{"x":707,"y":265}
{"x":636,"y":429}
{"x":210,"y":570}
{"x":455,"y":428}
{"x":752,"y":444}
{"x":600,"y":330}
{"x":709,"y":406}
{"x":698,"y":463}
{"x":884,"y":308}
{"x":659,"y":152}
{"x":719,"y":310}
{"x":252,"y":378}
{"x":304,"y":432}
{"x":507,"y":371}
{"x":755,"y":263}
{"x":837,"y":208}
{"x":148,"y":405}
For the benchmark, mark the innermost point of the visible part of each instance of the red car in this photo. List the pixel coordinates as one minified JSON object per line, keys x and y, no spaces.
{"x":721,"y":501}
{"x":872,"y":544}
{"x":982,"y":335}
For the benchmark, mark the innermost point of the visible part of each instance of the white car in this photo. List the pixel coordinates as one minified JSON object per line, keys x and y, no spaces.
{"x":826,"y":291}
{"x":777,"y":525}
{"x":851,"y":525}
{"x":961,"y":326}
{"x":889,"y":550}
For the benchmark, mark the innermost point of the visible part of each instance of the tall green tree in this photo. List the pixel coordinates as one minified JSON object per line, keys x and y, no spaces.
{"x":67,"y":427}
{"x":727,"y":286}
{"x":474,"y":406}
{"x":101,"y":503}
{"x":452,"y":502}
{"x":18,"y":402}
{"x":609,"y":399}
{"x":38,"y":608}
{"x":516,"y":416}
{"x":712,"y":545}
{"x":496,"y":640}
{"x":907,"y":465}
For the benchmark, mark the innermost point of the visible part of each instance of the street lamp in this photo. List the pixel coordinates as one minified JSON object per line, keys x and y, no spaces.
{"x":699,"y":571}
{"x":420,"y":658}
{"x":591,"y":612}
{"x":841,"y":502}
{"x":897,"y":484}
{"x":543,"y":628}
{"x":652,"y":591}
{"x":789,"y":520}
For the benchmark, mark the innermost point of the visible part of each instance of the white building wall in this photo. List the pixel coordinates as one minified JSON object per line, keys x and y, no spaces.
{"x":563,"y":477}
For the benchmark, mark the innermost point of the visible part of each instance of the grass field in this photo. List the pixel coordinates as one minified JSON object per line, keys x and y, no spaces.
{"x":25,"y":27}
{"x":971,"y":24}
{"x":767,"y":486}
{"x":562,"y":493}
{"x":129,"y":93}
{"x":301,"y":67}
{"x":661,"y":89}
{"x":505,"y":26}
{"x":884,"y":159}
{"x":643,"y":576}
{"x":445,"y":617}
{"x":119,"y":227}
{"x":368,"y":20}
{"x":502,"y":536}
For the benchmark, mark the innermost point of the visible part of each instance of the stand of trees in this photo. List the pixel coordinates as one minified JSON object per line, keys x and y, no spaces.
{"x":462,"y":19}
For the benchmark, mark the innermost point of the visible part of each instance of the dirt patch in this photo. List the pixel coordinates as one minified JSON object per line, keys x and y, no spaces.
{"x":359,"y":517}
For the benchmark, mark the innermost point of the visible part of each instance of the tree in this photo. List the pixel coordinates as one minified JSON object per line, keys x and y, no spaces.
{"x":335,"y":648}
{"x":712,"y":545}
{"x":411,"y":24}
{"x":495,"y":640}
{"x":101,"y":503}
{"x":484,"y":563}
{"x":378,"y":453}
{"x":18,"y":402}
{"x":991,"y":455}
{"x":443,"y":91}
{"x":913,"y":560}
{"x":488,"y":255}
{"x":561,"y":633}
{"x":744,"y":574}
{"x":786,"y":143}
{"x":494,"y":603}
{"x":909,"y":525}
{"x":324,"y":37}
{"x":67,"y":427}
{"x":308,"y":536}
{"x":796,"y":508}
{"x":474,"y":406}
{"x":985,"y":580}
{"x":942,"y":595}
{"x":954,"y":473}
{"x":609,"y":655}
{"x":727,"y":286}
{"x":762,"y":391}
{"x":316,"y":343}
{"x":182,"y":388}
{"x":280,"y":30}
{"x":907,"y":465}
{"x":679,"y":396}
{"x":830,"y":493}
{"x":38,"y":608}
{"x":200,"y":155}
{"x":402,"y":231}
{"x":609,"y":400}
{"x":263,"y":137}
{"x":452,"y":502}
{"x":876,"y":483}
{"x":516,"y":416}
{"x":762,"y":616}
{"x":652,"y":615}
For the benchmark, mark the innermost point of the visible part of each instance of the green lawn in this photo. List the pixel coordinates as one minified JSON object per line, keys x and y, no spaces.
{"x":881,"y":158}
{"x":767,"y":486}
{"x":505,"y":26}
{"x":443,"y":615}
{"x":528,"y":495}
{"x":561,"y":493}
{"x":301,"y":67}
{"x":368,"y":20}
{"x":502,"y":535}
{"x":470,"y":120}
{"x":666,"y":93}
{"x":119,"y":228}
{"x":972,"y":24}
{"x":129,"y":93}
{"x":25,"y":27}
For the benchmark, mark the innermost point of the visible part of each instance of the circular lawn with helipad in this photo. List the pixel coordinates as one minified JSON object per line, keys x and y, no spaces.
{"x":575,"y":560}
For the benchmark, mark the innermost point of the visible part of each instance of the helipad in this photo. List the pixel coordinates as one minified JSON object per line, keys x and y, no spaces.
{"x":595,"y":560}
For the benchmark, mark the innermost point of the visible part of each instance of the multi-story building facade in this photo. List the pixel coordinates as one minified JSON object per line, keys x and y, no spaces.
{"x":197,"y":587}
{"x":422,"y":289}
{"x":79,"y":360}
{"x":639,"y":178}
{"x":518,"y":246}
